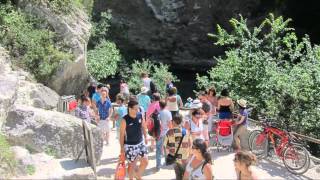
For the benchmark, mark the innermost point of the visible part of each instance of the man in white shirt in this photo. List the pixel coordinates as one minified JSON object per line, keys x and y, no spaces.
{"x":146,"y":80}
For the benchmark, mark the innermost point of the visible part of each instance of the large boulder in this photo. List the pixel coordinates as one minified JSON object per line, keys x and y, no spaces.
{"x":56,"y":133}
{"x":74,"y":29}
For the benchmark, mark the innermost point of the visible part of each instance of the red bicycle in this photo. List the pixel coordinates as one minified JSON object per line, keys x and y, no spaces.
{"x":294,"y":156}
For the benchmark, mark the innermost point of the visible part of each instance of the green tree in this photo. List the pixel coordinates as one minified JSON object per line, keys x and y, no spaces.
{"x":159,"y":73}
{"x":270,"y":67}
{"x":34,"y":47}
{"x":103,"y":60}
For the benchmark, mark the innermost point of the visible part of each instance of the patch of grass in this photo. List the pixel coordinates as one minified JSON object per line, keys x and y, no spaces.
{"x":30,"y":169}
{"x":7,"y":159}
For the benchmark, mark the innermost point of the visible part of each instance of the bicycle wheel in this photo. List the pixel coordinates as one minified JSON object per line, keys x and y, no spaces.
{"x":296,"y":159}
{"x":259,"y":145}
{"x":250,"y":137}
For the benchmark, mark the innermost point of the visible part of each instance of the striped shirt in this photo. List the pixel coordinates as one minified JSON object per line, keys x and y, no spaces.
{"x":172,"y":140}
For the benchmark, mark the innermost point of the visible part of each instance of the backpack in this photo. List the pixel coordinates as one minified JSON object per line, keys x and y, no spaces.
{"x":154,"y":126}
{"x":153,"y":87}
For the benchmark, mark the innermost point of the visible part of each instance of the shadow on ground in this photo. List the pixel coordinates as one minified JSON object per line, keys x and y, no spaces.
{"x":72,"y":164}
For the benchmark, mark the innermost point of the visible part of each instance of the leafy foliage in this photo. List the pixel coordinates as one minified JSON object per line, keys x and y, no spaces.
{"x":31,"y":169}
{"x":159,"y":73}
{"x":103,"y":60}
{"x":270,"y":67}
{"x":33,"y":46}
{"x":7,"y":159}
{"x":100,"y":29}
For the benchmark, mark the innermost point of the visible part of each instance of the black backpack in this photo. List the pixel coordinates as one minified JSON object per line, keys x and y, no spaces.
{"x":154,"y":129}
{"x":153,"y":87}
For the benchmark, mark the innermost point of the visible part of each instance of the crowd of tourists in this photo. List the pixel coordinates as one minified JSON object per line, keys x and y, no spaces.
{"x":156,"y":119}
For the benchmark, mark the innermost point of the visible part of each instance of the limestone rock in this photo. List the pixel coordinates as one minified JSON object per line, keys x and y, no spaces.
{"x":58,"y":134}
{"x":74,"y":29}
{"x":23,"y":158}
{"x":8,"y":85}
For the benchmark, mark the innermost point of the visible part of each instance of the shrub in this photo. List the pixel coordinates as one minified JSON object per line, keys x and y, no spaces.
{"x":270,"y":67}
{"x":31,"y":169}
{"x":100,"y":29}
{"x":159,"y":73}
{"x":103,"y":60}
{"x":34,"y":47}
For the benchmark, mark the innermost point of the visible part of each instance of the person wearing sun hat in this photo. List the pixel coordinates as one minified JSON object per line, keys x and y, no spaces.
{"x":241,"y":123}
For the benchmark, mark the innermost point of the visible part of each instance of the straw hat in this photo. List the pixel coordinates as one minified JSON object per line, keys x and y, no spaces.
{"x":196,"y":104}
{"x":144,"y":90}
{"x":242,"y":103}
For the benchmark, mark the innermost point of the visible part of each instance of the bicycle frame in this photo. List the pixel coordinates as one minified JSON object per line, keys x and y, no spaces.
{"x":269,"y":133}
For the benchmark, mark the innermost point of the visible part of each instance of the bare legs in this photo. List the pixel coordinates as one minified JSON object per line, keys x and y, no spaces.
{"x":132,"y":172}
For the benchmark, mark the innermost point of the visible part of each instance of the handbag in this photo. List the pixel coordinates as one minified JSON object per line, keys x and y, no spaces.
{"x":120,"y":171}
{"x":170,"y":159}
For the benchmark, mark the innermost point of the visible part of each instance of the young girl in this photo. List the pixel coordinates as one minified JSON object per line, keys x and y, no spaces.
{"x":242,"y":162}
{"x":121,"y":111}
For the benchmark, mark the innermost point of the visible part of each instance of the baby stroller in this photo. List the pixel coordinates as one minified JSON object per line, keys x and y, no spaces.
{"x":224,"y":134}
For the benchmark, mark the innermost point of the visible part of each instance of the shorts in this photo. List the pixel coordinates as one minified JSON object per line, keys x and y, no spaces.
{"x":133,"y":151}
{"x":104,"y":126}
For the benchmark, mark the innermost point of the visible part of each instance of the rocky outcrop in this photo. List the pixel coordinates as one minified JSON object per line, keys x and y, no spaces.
{"x":28,"y":117}
{"x":8,"y":83}
{"x":47,"y":131}
{"x":74,"y":29}
{"x":43,"y":166}
{"x":175,"y":31}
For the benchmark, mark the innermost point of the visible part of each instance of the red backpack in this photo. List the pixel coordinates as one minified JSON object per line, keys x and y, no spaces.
{"x":154,"y":125}
{"x":224,"y":128}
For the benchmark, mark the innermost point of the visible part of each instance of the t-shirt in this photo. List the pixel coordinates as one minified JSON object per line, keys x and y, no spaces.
{"x":172,"y":140}
{"x":96,"y":97}
{"x":244,"y":113}
{"x":146,"y":82}
{"x":103,"y":109}
{"x":165,"y":118}
{"x":122,"y":111}
{"x":144,"y":101}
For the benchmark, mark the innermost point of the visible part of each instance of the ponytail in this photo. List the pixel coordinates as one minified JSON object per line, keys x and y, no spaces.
{"x":207,"y":157}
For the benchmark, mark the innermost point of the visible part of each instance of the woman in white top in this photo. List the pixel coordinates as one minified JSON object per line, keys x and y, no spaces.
{"x":195,"y":125}
{"x":199,"y":165}
{"x":172,"y":102}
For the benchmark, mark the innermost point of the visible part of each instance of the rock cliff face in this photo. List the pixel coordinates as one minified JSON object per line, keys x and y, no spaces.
{"x":74,"y":30}
{"x":174,"y":31}
{"x":28,"y":117}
